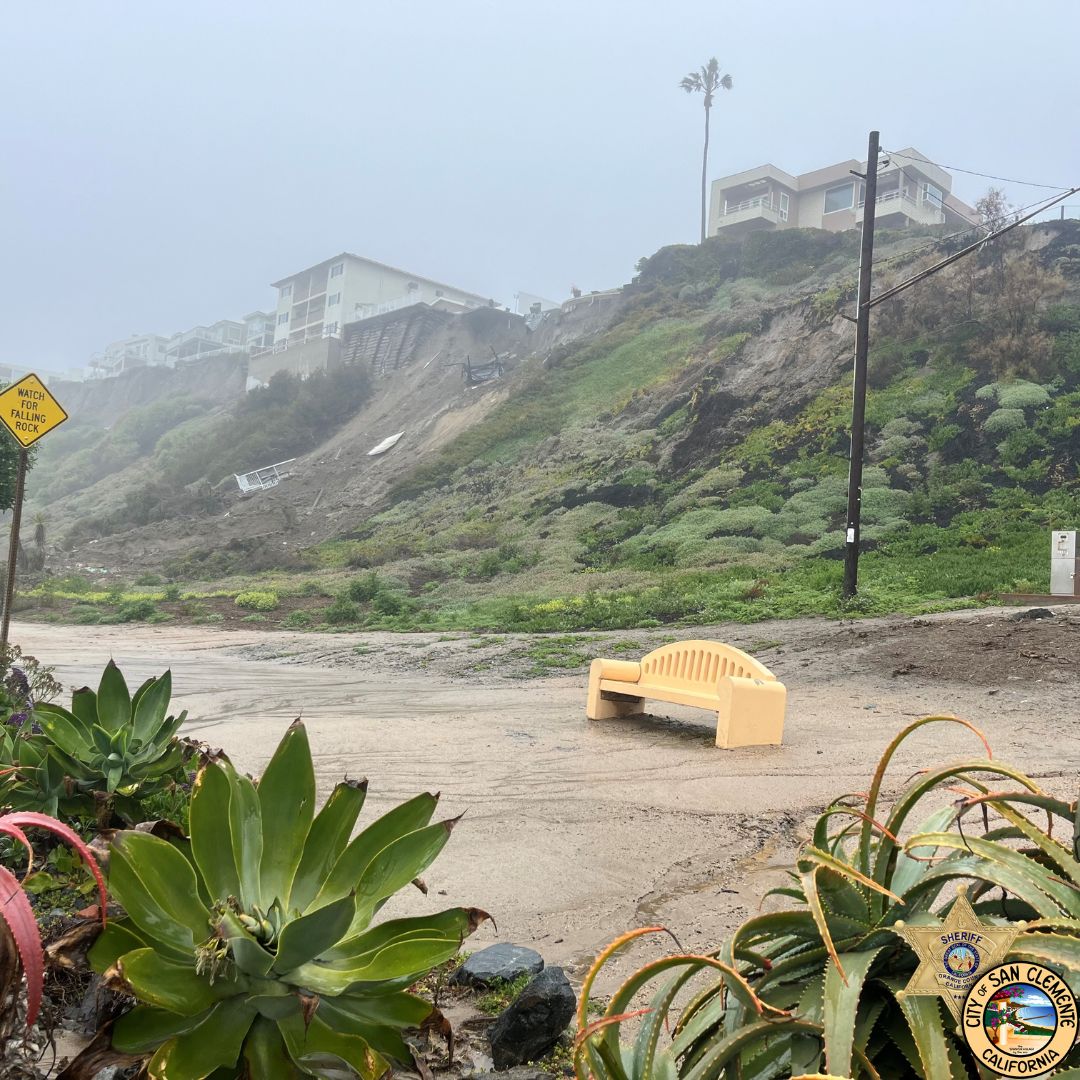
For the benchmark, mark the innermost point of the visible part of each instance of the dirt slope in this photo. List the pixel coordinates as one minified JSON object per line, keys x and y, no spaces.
{"x":331,"y":487}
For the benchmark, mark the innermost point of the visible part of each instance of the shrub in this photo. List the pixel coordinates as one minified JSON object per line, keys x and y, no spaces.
{"x":171,"y":593}
{"x":1059,"y":318}
{"x":388,"y":603}
{"x":942,"y":434}
{"x":342,"y":612}
{"x":136,"y":611}
{"x":1022,"y":395}
{"x":254,"y":600}
{"x":297,"y":620}
{"x":256,"y":932}
{"x":364,"y":589}
{"x":817,"y":988}
{"x":1002,"y":421}
{"x":26,"y":682}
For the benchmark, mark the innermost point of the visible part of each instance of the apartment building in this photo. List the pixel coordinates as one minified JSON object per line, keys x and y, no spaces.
{"x":259,"y":330}
{"x":318,"y":301}
{"x":911,"y":191}
{"x":139,"y":350}
{"x":224,"y":336}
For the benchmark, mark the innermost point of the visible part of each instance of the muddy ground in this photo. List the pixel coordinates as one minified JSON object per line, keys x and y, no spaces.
{"x":575,"y":831}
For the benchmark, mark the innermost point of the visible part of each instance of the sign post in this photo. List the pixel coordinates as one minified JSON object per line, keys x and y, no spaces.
{"x":28,"y":411}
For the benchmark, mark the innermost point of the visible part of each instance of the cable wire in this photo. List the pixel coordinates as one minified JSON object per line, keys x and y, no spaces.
{"x":972,"y":172}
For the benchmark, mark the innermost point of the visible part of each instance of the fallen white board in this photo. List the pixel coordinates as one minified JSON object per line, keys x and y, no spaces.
{"x":385,"y":445}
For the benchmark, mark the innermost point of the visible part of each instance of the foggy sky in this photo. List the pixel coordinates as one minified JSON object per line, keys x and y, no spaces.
{"x":164,"y":161}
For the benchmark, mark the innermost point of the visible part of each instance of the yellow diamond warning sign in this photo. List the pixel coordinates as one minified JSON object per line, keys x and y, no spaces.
{"x":29,"y":411}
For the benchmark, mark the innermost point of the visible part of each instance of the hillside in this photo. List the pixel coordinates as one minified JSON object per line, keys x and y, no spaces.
{"x":681,"y":454}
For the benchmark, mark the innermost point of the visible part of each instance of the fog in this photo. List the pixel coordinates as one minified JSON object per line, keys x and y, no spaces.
{"x":164,"y":162}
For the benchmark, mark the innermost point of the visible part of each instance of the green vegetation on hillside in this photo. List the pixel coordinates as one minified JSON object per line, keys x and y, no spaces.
{"x":689,"y":463}
{"x":193,"y":451}
{"x":626,"y":484}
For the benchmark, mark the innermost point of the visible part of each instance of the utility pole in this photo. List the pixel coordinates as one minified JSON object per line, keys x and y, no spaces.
{"x":13,"y":551}
{"x":862,"y":346}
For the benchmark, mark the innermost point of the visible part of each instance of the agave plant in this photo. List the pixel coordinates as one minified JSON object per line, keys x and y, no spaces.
{"x":102,"y":757}
{"x":251,"y":948}
{"x":16,"y":914}
{"x":816,"y":988}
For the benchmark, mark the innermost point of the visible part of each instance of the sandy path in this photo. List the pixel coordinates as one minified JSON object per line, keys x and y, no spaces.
{"x":575,"y":831}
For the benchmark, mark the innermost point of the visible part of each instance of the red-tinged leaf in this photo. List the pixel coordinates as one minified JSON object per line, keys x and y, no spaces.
{"x":58,"y":828}
{"x":16,"y":911}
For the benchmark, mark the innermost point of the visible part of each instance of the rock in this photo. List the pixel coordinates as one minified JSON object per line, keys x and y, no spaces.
{"x":531,"y":1026}
{"x":83,"y":1016}
{"x":1034,"y":613}
{"x":498,"y":963}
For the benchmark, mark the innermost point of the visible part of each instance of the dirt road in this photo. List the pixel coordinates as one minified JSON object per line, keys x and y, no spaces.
{"x":574,"y":831}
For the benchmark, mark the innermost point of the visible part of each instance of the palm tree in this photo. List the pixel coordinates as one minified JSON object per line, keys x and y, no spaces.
{"x":706,"y":81}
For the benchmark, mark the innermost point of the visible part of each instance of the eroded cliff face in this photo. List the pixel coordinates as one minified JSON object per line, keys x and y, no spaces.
{"x":418,"y":370}
{"x":217,"y":379}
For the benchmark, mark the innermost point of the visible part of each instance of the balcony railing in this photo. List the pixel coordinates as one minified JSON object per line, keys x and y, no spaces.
{"x":281,"y":346}
{"x":925,"y":205}
{"x":764,"y":201}
{"x":261,"y":479}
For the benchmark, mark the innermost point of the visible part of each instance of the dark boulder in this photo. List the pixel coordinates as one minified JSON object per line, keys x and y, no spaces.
{"x":531,"y":1026}
{"x":1033,"y":613}
{"x":502,"y":963}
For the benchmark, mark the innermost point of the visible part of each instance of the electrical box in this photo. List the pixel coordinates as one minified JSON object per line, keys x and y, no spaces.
{"x":1064,"y":565}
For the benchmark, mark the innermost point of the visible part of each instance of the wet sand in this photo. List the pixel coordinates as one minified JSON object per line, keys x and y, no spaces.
{"x":575,"y":831}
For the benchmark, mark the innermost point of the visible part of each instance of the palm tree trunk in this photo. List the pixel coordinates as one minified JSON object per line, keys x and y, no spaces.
{"x":704,"y":173}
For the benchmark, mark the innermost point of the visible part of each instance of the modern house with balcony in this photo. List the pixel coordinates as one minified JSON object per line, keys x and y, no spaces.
{"x":911,"y":191}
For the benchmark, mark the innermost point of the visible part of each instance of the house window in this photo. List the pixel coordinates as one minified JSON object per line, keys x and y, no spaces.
{"x":782,"y":210}
{"x":839,"y":198}
{"x":286,"y":290}
{"x":330,"y":329}
{"x":932,"y":195}
{"x":332,"y":299}
{"x":337,"y":269}
{"x":283,"y":318}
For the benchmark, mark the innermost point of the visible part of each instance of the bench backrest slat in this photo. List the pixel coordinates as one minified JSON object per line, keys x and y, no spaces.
{"x":694,"y":663}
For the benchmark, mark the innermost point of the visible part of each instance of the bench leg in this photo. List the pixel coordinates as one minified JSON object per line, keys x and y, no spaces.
{"x":751,"y":713}
{"x":604,"y":706}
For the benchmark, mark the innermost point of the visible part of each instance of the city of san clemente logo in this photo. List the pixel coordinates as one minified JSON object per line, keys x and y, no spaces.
{"x":1020,"y":1019}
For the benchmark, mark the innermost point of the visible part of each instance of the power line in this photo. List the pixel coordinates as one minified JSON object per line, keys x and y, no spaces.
{"x":958,"y":213}
{"x":940,"y":241}
{"x":914,"y":279}
{"x":972,"y":172}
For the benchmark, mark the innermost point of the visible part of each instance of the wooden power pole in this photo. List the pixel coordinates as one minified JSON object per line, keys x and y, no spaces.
{"x":862,"y":346}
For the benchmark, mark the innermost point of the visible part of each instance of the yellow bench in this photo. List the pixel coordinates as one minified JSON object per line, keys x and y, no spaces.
{"x":744,"y":693}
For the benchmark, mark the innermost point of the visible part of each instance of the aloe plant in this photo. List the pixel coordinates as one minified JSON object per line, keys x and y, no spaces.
{"x":16,"y":914}
{"x":251,"y":949}
{"x":101,"y":758}
{"x":816,"y":988}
